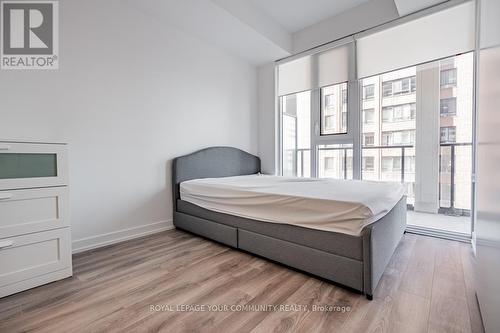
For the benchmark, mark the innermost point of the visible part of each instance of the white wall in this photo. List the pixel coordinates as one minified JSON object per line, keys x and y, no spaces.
{"x":130,"y":95}
{"x":268,"y":145}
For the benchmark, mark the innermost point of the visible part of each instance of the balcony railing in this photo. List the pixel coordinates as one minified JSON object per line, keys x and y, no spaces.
{"x":403,"y":149}
{"x":447,"y":169}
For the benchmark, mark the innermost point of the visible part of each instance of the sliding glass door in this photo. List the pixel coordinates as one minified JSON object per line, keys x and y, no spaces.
{"x":417,"y":130}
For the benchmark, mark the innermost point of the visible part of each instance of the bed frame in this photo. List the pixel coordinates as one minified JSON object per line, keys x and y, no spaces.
{"x":357,"y":262}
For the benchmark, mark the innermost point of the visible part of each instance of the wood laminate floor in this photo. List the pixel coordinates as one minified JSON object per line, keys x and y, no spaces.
{"x":427,"y":287}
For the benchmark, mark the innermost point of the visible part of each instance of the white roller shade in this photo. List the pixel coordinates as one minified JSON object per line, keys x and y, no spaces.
{"x":428,"y":38}
{"x":295,"y":76}
{"x":314,"y":71}
{"x":333,"y":66}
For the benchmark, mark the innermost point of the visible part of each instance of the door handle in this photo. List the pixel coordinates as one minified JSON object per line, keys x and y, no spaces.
{"x":4,"y":147}
{"x":5,"y":244}
{"x":5,"y":196}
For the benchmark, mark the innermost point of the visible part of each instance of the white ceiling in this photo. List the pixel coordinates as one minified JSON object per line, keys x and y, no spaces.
{"x":295,"y":15}
{"x":258,"y":31}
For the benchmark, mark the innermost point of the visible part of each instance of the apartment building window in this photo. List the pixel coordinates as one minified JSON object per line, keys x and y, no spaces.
{"x":449,"y":78}
{"x":402,"y":112}
{"x":391,"y":163}
{"x":329,"y":121}
{"x":410,"y":164}
{"x":329,"y":163}
{"x":330,"y":101}
{"x":387,"y":89}
{"x":368,"y":116}
{"x":344,"y":119}
{"x":344,"y":96}
{"x":368,"y":139}
{"x":397,"y":87}
{"x":448,"y":107}
{"x":369,"y":91}
{"x":368,"y":163}
{"x":448,"y":134}
{"x":405,"y":137}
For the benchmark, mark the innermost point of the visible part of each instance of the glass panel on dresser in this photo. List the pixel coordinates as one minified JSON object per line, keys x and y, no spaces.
{"x":24,"y":165}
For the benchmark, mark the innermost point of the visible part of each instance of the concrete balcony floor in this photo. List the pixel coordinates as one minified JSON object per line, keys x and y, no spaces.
{"x":459,"y":224}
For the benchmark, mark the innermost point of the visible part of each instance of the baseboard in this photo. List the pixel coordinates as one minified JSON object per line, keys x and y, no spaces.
{"x":450,"y":235}
{"x":89,"y":243}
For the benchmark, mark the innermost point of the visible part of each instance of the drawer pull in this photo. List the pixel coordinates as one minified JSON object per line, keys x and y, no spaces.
{"x":4,"y":147}
{"x":5,"y":244}
{"x":5,"y":196}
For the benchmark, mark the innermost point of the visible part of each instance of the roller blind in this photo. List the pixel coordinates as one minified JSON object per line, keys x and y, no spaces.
{"x":314,"y":71}
{"x":428,"y":38}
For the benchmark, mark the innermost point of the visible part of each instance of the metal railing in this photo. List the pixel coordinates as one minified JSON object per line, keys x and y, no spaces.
{"x":403,"y":155}
{"x":344,"y":159}
{"x":452,"y":170}
{"x":300,"y":154}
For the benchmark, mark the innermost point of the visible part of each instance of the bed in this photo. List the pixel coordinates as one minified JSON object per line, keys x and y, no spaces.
{"x":353,"y":259}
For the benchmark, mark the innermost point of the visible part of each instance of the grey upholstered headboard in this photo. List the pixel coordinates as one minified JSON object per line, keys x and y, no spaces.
{"x":212,"y":162}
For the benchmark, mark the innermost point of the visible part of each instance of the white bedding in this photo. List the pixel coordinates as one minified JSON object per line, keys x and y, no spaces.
{"x":345,"y":206}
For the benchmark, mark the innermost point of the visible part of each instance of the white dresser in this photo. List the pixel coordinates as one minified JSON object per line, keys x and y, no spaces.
{"x":35,"y":234}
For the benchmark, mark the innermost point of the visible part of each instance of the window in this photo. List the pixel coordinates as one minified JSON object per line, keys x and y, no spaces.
{"x":368,"y":163}
{"x":387,"y":89}
{"x":329,"y":121}
{"x":296,"y":146}
{"x":368,"y":139}
{"x":448,"y":134}
{"x":329,"y":101}
{"x":448,"y":78}
{"x":396,"y":163}
{"x":399,"y":87}
{"x":329,"y":163}
{"x":391,"y":163}
{"x":396,"y":138}
{"x":368,"y":116}
{"x":344,"y":96}
{"x":397,"y":113}
{"x":402,"y":112}
{"x":448,"y":107}
{"x":333,"y":110}
{"x":369,"y":91}
{"x":409,"y":163}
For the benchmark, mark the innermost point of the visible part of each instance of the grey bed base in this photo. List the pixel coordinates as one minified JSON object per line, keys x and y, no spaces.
{"x":357,"y":262}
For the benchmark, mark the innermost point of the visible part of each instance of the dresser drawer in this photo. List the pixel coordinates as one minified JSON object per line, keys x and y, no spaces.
{"x":33,"y":210}
{"x":29,"y":165}
{"x":32,"y":256}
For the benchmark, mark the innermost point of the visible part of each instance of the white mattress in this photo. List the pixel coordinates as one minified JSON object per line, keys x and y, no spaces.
{"x":345,"y":206}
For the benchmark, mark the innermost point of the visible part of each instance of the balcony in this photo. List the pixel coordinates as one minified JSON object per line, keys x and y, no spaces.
{"x":397,"y":163}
